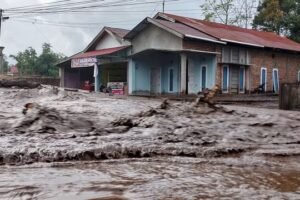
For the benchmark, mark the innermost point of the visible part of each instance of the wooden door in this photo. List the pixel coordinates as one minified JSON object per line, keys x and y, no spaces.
{"x":155,"y":81}
{"x":234,"y":80}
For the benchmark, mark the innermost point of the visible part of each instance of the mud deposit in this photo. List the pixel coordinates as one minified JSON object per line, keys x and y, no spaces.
{"x":108,"y":148}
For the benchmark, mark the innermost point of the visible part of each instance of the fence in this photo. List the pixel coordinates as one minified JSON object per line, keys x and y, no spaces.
{"x":289,"y":98}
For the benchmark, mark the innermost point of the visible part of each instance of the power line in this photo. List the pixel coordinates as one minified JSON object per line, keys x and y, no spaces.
{"x":72,"y":5}
{"x":80,"y":8}
{"x":74,"y":25}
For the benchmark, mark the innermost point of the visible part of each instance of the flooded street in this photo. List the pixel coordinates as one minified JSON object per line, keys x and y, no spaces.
{"x":90,"y":146}
{"x":149,"y":179}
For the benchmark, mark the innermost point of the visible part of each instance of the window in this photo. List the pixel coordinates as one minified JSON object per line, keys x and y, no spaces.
{"x":225,"y":81}
{"x":263,"y":78}
{"x":203,"y":78}
{"x":226,"y":55}
{"x":171,"y":80}
{"x":235,"y":55}
{"x":275,"y":80}
{"x":242,"y":80}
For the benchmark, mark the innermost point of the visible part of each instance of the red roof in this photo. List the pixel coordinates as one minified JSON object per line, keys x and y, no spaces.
{"x":185,"y":30}
{"x":236,"y":34}
{"x":99,"y":52}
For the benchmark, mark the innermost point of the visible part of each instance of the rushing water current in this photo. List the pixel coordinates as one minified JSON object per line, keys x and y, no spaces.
{"x":149,"y":179}
{"x":89,"y":146}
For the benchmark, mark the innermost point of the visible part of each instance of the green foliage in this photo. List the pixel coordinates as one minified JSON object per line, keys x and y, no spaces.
{"x":5,"y":64}
{"x":280,"y":16}
{"x":29,"y":63}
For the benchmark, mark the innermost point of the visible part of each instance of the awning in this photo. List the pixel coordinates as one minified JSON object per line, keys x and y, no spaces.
{"x":89,"y":59}
{"x":91,"y":55}
{"x":101,"y":52}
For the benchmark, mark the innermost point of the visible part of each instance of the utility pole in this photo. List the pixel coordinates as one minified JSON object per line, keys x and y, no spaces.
{"x":164,"y":6}
{"x":1,"y":60}
{"x":1,"y":12}
{"x":2,"y":19}
{"x":1,"y":48}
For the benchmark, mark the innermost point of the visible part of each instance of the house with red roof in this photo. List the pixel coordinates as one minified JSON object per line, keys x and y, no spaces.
{"x":104,"y":60}
{"x":180,"y":55}
{"x":170,"y":54}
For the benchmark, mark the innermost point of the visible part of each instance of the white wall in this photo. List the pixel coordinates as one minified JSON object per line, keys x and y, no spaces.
{"x":108,"y":41}
{"x":156,"y":38}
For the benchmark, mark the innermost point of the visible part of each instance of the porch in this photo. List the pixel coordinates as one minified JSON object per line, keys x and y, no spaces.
{"x":162,"y":72}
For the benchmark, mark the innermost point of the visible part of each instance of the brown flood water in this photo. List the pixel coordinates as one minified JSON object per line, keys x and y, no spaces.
{"x":161,"y":178}
{"x":88,"y":146}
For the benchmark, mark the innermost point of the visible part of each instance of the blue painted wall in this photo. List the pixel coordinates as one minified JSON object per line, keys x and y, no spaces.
{"x":196,"y":61}
{"x":142,"y":77}
{"x":171,"y":61}
{"x":139,"y":71}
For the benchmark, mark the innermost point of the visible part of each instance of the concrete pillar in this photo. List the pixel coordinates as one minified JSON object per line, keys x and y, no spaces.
{"x":183,"y":71}
{"x":97,"y":80}
{"x":131,"y":76}
{"x":62,"y":76}
{"x":1,"y":59}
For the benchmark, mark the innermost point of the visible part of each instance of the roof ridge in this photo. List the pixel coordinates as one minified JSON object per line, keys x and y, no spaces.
{"x":116,"y":28}
{"x":221,"y":24}
{"x":235,"y":34}
{"x":193,"y":20}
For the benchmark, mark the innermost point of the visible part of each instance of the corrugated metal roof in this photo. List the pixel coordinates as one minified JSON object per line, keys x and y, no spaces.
{"x":185,"y":30}
{"x":101,"y":52}
{"x":236,"y":34}
{"x":118,"y":31}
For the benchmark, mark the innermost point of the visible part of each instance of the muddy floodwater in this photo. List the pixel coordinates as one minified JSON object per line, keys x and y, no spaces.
{"x":73,"y":145}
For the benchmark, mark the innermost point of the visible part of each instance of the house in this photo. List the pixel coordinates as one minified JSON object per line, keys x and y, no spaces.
{"x":176,"y":55}
{"x":179,"y":55}
{"x":103,"y":60}
{"x":13,"y":70}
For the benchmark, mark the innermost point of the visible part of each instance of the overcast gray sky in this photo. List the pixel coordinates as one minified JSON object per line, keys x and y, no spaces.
{"x":67,"y":38}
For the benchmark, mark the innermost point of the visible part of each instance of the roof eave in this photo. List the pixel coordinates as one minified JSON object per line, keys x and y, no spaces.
{"x":165,"y":28}
{"x":138,"y":28}
{"x":162,"y":15}
{"x":141,"y":26}
{"x":205,"y":39}
{"x":243,"y":43}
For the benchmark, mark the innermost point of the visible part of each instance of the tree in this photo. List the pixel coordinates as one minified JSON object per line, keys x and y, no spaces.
{"x":47,"y":60}
{"x":269,"y":17}
{"x":30,"y":64}
{"x":26,"y":61}
{"x":233,"y":12}
{"x":279,"y":16}
{"x":245,"y":12}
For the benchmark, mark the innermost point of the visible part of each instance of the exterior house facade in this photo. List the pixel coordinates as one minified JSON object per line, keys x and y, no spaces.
{"x":176,"y":55}
{"x":160,"y":63}
{"x":103,"y":60}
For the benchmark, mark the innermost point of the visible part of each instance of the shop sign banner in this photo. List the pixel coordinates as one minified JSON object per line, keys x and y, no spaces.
{"x":83,"y":62}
